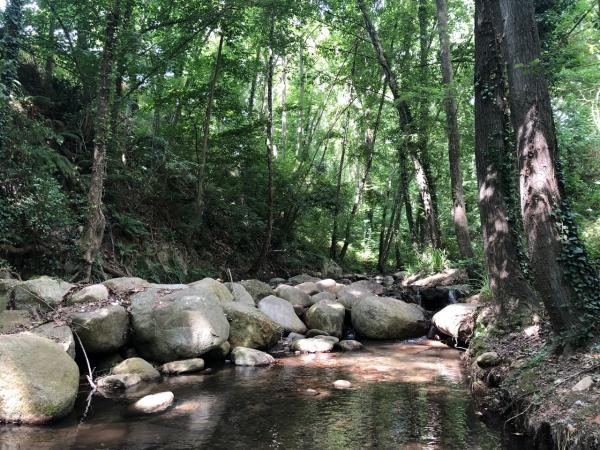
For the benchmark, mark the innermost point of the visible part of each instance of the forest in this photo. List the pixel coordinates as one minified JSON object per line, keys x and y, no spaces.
{"x":234,"y":139}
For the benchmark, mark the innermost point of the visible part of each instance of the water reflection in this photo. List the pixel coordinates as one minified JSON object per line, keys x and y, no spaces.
{"x":403,"y":396}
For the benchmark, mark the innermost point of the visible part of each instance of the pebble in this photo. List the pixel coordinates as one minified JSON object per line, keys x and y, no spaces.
{"x":342,"y":384}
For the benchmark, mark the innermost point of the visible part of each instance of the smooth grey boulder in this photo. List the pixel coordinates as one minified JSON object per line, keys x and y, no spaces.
{"x":334,"y":340}
{"x":326,"y":315}
{"x":293,"y":295}
{"x":456,"y":320}
{"x":326,"y":285}
{"x":43,"y":293}
{"x":38,"y":380}
{"x":349,"y":345}
{"x":6,"y":286}
{"x":282,"y":313}
{"x":89,"y":294}
{"x":308,"y":287}
{"x":214,"y":287}
{"x":250,"y":327}
{"x":60,"y":334}
{"x":331,"y":269}
{"x":257,"y":289}
{"x":242,"y":356}
{"x":240,"y":294}
{"x":302,"y":278}
{"x":353,"y":293}
{"x":124,"y":285}
{"x":12,"y":321}
{"x":388,"y":318}
{"x":153,"y":403}
{"x":117,"y":382}
{"x":178,"y":325}
{"x":182,"y":367}
{"x":312,"y":345}
{"x":323,"y":296}
{"x":488,"y":359}
{"x":137,"y":366}
{"x":277,"y":281}
{"x":102,"y":330}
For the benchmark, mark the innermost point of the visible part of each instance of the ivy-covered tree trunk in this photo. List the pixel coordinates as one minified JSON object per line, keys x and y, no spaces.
{"x":266,"y":245}
{"x":10,"y":45}
{"x":93,"y":234}
{"x":459,"y":210}
{"x":510,"y":289}
{"x":542,"y":194}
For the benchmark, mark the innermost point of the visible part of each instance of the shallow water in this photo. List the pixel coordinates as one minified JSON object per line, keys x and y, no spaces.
{"x":409,"y":395}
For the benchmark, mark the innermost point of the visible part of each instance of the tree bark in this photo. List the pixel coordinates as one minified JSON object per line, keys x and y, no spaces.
{"x":254,"y":83}
{"x":199,"y":200}
{"x":459,"y":211}
{"x":264,"y":251}
{"x":91,"y":240}
{"x":540,"y":188}
{"x":510,"y":289}
{"x":283,"y":110}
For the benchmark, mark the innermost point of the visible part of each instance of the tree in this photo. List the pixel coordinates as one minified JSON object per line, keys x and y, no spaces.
{"x":459,"y":211}
{"x":510,"y":289}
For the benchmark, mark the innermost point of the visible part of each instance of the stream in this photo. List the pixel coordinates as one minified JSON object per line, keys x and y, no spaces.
{"x":404,"y":395}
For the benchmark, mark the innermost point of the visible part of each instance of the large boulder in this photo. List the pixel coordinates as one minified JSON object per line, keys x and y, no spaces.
{"x":102,"y":330}
{"x":328,"y":285}
{"x":177,"y":325}
{"x":38,"y":380}
{"x":328,"y":316}
{"x":293,"y":295}
{"x":61,"y":334}
{"x":242,"y":356}
{"x":282,"y":313}
{"x":12,"y":321}
{"x":388,"y":318}
{"x":209,"y":286}
{"x":240,"y":294}
{"x":137,"y":366}
{"x":457,"y":320}
{"x":353,"y":293}
{"x":331,"y":269}
{"x":6,"y":286}
{"x":302,"y":278}
{"x":322,"y":296}
{"x":257,"y":289}
{"x":250,"y":327}
{"x":43,"y":293}
{"x":308,"y":287}
{"x":90,"y":294}
{"x":124,"y":285}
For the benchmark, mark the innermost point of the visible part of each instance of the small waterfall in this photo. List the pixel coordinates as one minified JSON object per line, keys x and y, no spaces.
{"x":451,"y":296}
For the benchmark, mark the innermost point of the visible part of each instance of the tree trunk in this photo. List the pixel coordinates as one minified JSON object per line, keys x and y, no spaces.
{"x":540,"y":188}
{"x":509,"y":287}
{"x":370,"y":136}
{"x":300,"y":150}
{"x":199,"y":200}
{"x":91,"y":240}
{"x":406,"y":124}
{"x":459,"y":212}
{"x":254,"y":83}
{"x":264,"y":251}
{"x":284,"y":110}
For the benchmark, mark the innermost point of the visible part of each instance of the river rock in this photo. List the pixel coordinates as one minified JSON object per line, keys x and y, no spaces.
{"x":277,"y":281}
{"x":124,"y":285}
{"x":102,"y":330}
{"x":456,"y":320}
{"x":178,"y":325}
{"x":182,"y":367}
{"x":153,"y":404}
{"x":243,"y":356}
{"x":323,"y":296}
{"x":388,"y":318}
{"x":282,"y":313}
{"x":349,"y":345}
{"x":38,"y":380}
{"x":447,"y":277}
{"x":12,"y":321}
{"x":316,"y":332}
{"x":60,"y":334}
{"x":308,"y":287}
{"x":220,"y":353}
{"x":488,"y":359}
{"x":331,"y":269}
{"x":295,"y":336}
{"x":209,"y":286}
{"x":312,"y":345}
{"x":89,"y":294}
{"x":250,"y":327}
{"x":302,"y":278}
{"x":293,"y":295}
{"x":118,"y":382}
{"x":326,"y":285}
{"x":342,"y":384}
{"x":326,"y":315}
{"x":6,"y":286}
{"x":257,"y":289}
{"x":584,"y":384}
{"x":43,"y":293}
{"x":137,"y":366}
{"x":331,"y":339}
{"x":240,"y":294}
{"x":355,"y":292}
